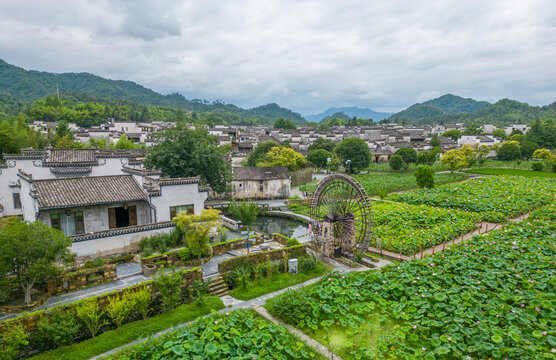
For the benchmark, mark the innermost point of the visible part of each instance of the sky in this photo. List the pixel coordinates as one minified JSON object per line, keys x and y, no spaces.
{"x":304,"y":55}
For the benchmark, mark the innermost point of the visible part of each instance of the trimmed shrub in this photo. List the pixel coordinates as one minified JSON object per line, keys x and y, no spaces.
{"x":58,"y":329}
{"x":307,"y":263}
{"x":184,"y":254}
{"x":424,"y":176}
{"x":396,"y":162}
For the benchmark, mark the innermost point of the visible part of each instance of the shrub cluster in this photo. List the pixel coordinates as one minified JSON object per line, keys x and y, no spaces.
{"x":161,"y":243}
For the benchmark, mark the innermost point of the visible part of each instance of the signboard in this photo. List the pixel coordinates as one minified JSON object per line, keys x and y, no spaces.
{"x":292,"y":266}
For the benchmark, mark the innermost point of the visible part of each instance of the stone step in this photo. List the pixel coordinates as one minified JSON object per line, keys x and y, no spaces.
{"x":220,"y":293}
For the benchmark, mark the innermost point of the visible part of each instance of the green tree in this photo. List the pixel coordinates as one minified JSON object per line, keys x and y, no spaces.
{"x":90,"y":314}
{"x":453,"y":134}
{"x":356,"y":150}
{"x":125,"y":143}
{"x":455,"y":159}
{"x":319,"y":157}
{"x":473,"y":129}
{"x":119,"y":308}
{"x":197,"y":230}
{"x":424,"y":175}
{"x":30,"y":252}
{"x":182,"y":152}
{"x":168,"y":284}
{"x":322,"y":143}
{"x":396,"y":162}
{"x":435,"y":141}
{"x":282,"y":123}
{"x":509,"y":151}
{"x":244,"y":211}
{"x":59,"y":328}
{"x":11,"y":341}
{"x":142,"y":300}
{"x":335,"y":163}
{"x":63,"y":129}
{"x":259,"y":152}
{"x":66,"y":142}
{"x":280,"y":156}
{"x":100,"y":143}
{"x":428,"y":157}
{"x":409,"y":155}
{"x":501,"y":133}
{"x":528,"y":148}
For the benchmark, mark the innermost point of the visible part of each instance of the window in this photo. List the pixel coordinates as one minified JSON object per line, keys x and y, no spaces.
{"x":176,"y":210}
{"x":72,"y":224}
{"x":17,"y":201}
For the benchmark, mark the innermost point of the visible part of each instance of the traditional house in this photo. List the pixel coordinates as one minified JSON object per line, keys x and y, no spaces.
{"x":261,"y":182}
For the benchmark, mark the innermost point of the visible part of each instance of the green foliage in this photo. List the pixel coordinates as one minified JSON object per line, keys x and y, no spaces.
{"x":322,"y":143}
{"x":132,"y":331}
{"x":30,"y":251}
{"x":509,"y":151}
{"x":435,"y":141}
{"x":15,"y":134}
{"x":282,"y":123}
{"x":356,"y":150}
{"x":219,"y":336}
{"x":528,"y":148}
{"x":520,"y":172}
{"x":537,"y":166}
{"x":184,"y":254}
{"x":161,"y":242}
{"x":319,"y":157}
{"x":244,"y":211}
{"x":98,"y":262}
{"x":168,"y":284}
{"x":501,"y":133}
{"x":90,"y":315}
{"x":396,"y":162}
{"x":60,"y":328}
{"x":11,"y":341}
{"x":292,"y":242}
{"x":259,"y":152}
{"x":119,"y":308}
{"x":335,"y":162}
{"x":409,"y":155}
{"x":497,"y":197}
{"x":124,"y":143}
{"x":453,"y":134}
{"x":182,"y":152}
{"x":428,"y":157}
{"x":424,"y":176}
{"x":281,"y":156}
{"x":543,"y":133}
{"x":455,"y":159}
{"x":142,"y":299}
{"x":197,"y":230}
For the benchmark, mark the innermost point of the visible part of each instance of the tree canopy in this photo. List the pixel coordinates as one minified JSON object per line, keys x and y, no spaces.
{"x":280,"y":156}
{"x":356,"y":150}
{"x":322,"y":143}
{"x":409,"y":155}
{"x":453,"y":134}
{"x":258,"y":154}
{"x":319,"y":157}
{"x":183,"y":152}
{"x":282,"y":123}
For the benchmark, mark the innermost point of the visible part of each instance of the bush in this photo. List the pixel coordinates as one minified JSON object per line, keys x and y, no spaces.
{"x":184,"y":254}
{"x":59,"y":329}
{"x":537,"y":166}
{"x":396,"y":162}
{"x":142,"y":299}
{"x":222,"y":237}
{"x":291,"y":306}
{"x":199,"y":289}
{"x":147,"y":251}
{"x":90,"y":314}
{"x":169,"y":285}
{"x":11,"y":340}
{"x":424,"y":176}
{"x":307,"y":263}
{"x":292,"y":242}
{"x":94,"y":263}
{"x":119,"y":309}
{"x":382,"y":193}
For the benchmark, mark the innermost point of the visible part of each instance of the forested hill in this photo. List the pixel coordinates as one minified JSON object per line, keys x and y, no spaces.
{"x":453,"y":109}
{"x":26,"y":86}
{"x":446,"y":104}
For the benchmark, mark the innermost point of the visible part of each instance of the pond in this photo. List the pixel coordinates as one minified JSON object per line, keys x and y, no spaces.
{"x":269,"y":225}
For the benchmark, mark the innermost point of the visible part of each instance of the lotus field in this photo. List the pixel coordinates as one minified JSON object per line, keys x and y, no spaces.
{"x":406,"y":229}
{"x":375,"y":182}
{"x":491,"y":297}
{"x":497,"y":197}
{"x":238,"y":335}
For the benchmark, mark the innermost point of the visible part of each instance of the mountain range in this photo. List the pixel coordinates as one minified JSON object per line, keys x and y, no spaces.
{"x":362,"y":113}
{"x":20,"y":87}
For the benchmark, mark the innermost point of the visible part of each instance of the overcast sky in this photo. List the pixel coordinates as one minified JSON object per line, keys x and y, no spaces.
{"x":304,"y":55}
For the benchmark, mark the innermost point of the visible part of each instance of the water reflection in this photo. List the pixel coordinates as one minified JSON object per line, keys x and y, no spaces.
{"x":274,"y":224}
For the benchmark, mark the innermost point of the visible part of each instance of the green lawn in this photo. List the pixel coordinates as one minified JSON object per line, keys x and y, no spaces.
{"x":132,"y":331}
{"x":519,"y":172}
{"x":277,"y":282}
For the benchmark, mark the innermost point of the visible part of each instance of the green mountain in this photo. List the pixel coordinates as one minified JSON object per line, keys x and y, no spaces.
{"x":446,"y":104}
{"x":28,"y":85}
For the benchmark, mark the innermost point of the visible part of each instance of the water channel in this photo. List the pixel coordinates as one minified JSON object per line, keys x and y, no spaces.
{"x":269,"y":225}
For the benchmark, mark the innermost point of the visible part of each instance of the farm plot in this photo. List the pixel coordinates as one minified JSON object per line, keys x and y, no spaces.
{"x":238,"y":335}
{"x":497,"y":198}
{"x":489,"y":298}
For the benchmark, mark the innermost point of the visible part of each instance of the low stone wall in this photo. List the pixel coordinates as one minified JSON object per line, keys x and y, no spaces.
{"x":259,"y":257}
{"x":224,"y":247}
{"x":305,"y":202}
{"x":82,"y":278}
{"x":280,"y":238}
{"x":30,"y":320}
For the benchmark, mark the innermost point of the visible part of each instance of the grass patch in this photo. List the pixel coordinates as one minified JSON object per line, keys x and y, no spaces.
{"x":132,"y":331}
{"x":277,"y":282}
{"x":519,"y":172}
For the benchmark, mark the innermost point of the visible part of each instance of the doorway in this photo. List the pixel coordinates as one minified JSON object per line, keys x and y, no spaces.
{"x":122,"y":216}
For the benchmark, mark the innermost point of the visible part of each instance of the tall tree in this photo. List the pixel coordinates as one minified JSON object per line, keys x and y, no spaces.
{"x":319,"y":157}
{"x":322,"y":143}
{"x":282,"y":123}
{"x":435,"y":141}
{"x":197,"y":230}
{"x":30,"y":251}
{"x":357,"y":151}
{"x":259,"y":152}
{"x":409,"y":155}
{"x":244,"y":211}
{"x":280,"y":156}
{"x":182,"y":152}
{"x":453,"y":134}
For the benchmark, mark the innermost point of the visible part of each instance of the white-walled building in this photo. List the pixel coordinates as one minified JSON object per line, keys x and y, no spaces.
{"x":261,"y":182}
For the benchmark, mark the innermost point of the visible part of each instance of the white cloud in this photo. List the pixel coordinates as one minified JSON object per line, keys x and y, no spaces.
{"x":306,"y":55}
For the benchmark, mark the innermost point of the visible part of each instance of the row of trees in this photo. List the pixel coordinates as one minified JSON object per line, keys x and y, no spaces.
{"x":353,"y":153}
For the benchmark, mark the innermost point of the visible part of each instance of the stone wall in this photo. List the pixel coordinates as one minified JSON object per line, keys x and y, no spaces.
{"x":82,"y":278}
{"x":30,"y":320}
{"x":259,"y":257}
